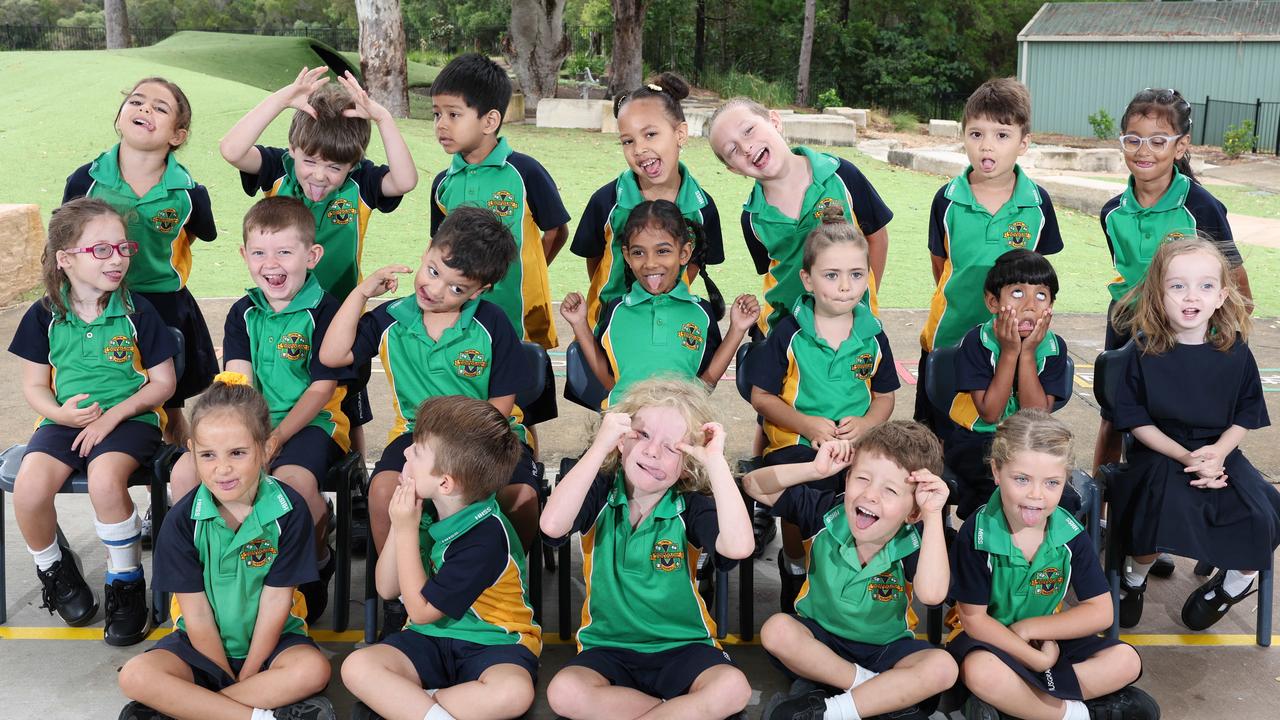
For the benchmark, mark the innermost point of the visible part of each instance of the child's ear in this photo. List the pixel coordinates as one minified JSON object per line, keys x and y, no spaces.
{"x":179,"y":137}
{"x":490,"y":122}
{"x":272,"y":445}
{"x":776,"y":120}
{"x":993,"y":302}
{"x":1024,"y":143}
{"x":314,"y":253}
{"x":682,"y":134}
{"x":806,"y":280}
{"x":995,"y":473}
{"x":1181,"y":145}
{"x":686,"y":252}
{"x":449,"y":485}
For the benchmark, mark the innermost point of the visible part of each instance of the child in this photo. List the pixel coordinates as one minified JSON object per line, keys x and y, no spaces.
{"x":792,"y":187}
{"x":653,"y":131}
{"x":164,"y":208}
{"x":472,"y":641}
{"x":658,"y":327}
{"x":1164,"y":199}
{"x":325,"y":167}
{"x":826,"y":372}
{"x":1188,"y":489}
{"x":647,"y":647}
{"x":1011,"y":361}
{"x":1023,"y":652}
{"x":988,"y":209}
{"x":273,"y":335}
{"x":97,"y":365}
{"x":233,"y":552}
{"x":861,"y":552}
{"x":443,"y":340}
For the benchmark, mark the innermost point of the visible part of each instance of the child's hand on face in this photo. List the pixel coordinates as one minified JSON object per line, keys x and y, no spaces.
{"x":931,"y":491}
{"x":833,"y":456}
{"x":712,"y":447}
{"x":819,"y":430}
{"x":295,"y":94}
{"x":75,"y":416}
{"x":745,"y":312}
{"x":574,"y":309}
{"x":614,"y":428}
{"x":1038,"y":333}
{"x":383,"y":281}
{"x":1006,"y":327}
{"x":405,"y":509}
{"x":365,"y":106}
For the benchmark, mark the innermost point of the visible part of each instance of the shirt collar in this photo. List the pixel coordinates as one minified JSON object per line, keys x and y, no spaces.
{"x":903,"y":543}
{"x":307,"y":297}
{"x":821,"y":166}
{"x":669,"y":506}
{"x":865,"y":324}
{"x":637,"y":295}
{"x":496,"y":158}
{"x":115,"y":308}
{"x":269,"y":504}
{"x":446,"y":530}
{"x":689,"y":198}
{"x":1024,"y":192}
{"x":106,"y":169}
{"x":406,"y":311}
{"x":991,"y":529}
{"x":1173,"y":198}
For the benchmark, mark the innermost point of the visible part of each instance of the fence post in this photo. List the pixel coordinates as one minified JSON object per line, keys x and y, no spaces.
{"x":1257,"y":123}
{"x":1276,"y":147}
{"x":1204,"y":125}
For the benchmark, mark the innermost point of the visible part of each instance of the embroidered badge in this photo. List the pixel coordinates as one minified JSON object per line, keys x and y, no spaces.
{"x":120,"y":349}
{"x":293,"y":346}
{"x":1017,"y":234}
{"x":1047,"y":581}
{"x":885,"y":588}
{"x":823,"y":204}
{"x":470,"y":363}
{"x":667,"y":556}
{"x":690,"y":336}
{"x":503,"y":203}
{"x":340,"y":211}
{"x":257,"y":553}
{"x":863,"y":366}
{"x":165,"y":220}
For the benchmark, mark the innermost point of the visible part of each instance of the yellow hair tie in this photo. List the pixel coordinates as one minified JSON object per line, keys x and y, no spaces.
{"x":231,"y":378}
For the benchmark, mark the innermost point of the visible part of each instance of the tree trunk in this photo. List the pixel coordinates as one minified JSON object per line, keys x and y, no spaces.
{"x":844,"y":11}
{"x":536,"y":47}
{"x":806,"y":53}
{"x":115,"y":16}
{"x":382,"y":54}
{"x":628,"y":45}
{"x":700,"y":41}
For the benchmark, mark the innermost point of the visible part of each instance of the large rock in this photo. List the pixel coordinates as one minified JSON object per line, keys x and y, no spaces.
{"x":819,"y":129}
{"x":21,"y":244}
{"x":858,"y":116}
{"x":515,"y":110}
{"x":580,"y":114}
{"x":697,"y":119}
{"x":608,"y":123}
{"x":944,"y":128}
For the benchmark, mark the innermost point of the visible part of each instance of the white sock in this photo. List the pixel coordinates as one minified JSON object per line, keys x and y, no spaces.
{"x":840,"y":707}
{"x":260,"y":714}
{"x":124,"y":545}
{"x":47,"y":557}
{"x":431,"y":692}
{"x":861,"y":675}
{"x":1235,"y":583}
{"x":1136,"y":572}
{"x":1074,"y":710}
{"x":437,"y":712}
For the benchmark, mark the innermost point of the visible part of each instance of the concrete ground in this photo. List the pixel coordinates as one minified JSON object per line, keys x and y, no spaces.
{"x":52,"y":672}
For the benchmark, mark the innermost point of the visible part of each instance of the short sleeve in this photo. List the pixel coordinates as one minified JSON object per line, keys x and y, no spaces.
{"x":155,"y":340}
{"x":78,"y":184}
{"x":295,"y":560}
{"x":712,"y":235}
{"x":1087,"y":578}
{"x":759,"y":253}
{"x":1129,"y":406}
{"x":606,"y":316}
{"x":368,"y":178}
{"x":805,"y":507}
{"x":597,"y":496}
{"x":1251,"y":409}
{"x":768,"y":362}
{"x":1108,"y":208}
{"x":588,"y":237}
{"x":912,"y":560}
{"x":711,"y":343}
{"x":1211,"y":218}
{"x":369,"y":334}
{"x":885,"y":379}
{"x":970,"y":576}
{"x":1053,"y":377}
{"x":437,"y":207}
{"x":471,"y":564}
{"x":1050,"y":241}
{"x":235,"y":334}
{"x":31,"y":339}
{"x":541,"y":194}
{"x":702,"y":528}
{"x":870,"y":210}
{"x":507,"y":374}
{"x":974,"y":369}
{"x":272,"y":169}
{"x":201,"y":222}
{"x":176,"y":561}
{"x":938,"y":223}
{"x":322,"y":315}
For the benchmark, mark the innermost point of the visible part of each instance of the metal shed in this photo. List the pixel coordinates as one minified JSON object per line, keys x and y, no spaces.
{"x":1224,"y":57}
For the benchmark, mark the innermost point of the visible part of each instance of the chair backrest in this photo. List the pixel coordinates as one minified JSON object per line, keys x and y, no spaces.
{"x":940,"y":380}
{"x":179,"y":360}
{"x":535,"y":357}
{"x":1107,"y":375}
{"x":740,"y":363}
{"x":580,"y":384}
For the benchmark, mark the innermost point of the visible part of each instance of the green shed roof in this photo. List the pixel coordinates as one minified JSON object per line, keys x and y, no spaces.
{"x":1155,"y":22}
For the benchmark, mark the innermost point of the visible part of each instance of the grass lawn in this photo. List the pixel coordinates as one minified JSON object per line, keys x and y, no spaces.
{"x":62,"y":105}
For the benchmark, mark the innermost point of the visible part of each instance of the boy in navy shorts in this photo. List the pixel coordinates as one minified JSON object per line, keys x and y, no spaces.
{"x":866,"y":559}
{"x":472,"y":644}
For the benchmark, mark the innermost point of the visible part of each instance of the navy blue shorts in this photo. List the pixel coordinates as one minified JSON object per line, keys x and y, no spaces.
{"x":138,"y":440}
{"x":206,"y":672}
{"x":444,"y":662}
{"x":179,"y":310}
{"x":1060,"y":680}
{"x":392,"y":460}
{"x":803,"y":454}
{"x":310,"y":448}
{"x":876,"y":658}
{"x":665,"y":674}
{"x":355,"y":405}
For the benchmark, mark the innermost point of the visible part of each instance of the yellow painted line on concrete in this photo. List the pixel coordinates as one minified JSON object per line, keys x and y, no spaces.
{"x":1210,"y":640}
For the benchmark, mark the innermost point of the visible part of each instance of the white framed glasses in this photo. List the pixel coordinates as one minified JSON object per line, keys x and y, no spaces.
{"x":1158,"y":143}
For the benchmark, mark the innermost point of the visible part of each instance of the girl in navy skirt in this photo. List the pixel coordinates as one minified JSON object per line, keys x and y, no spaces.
{"x":1188,"y":489}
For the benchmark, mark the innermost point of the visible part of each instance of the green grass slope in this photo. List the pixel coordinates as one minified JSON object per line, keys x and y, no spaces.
{"x":261,"y":61}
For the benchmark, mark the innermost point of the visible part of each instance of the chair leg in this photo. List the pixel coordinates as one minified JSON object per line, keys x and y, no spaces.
{"x":746,"y":599}
{"x":342,"y":574}
{"x":534,"y":563}
{"x":4,"y":594}
{"x":159,"y":508}
{"x":565,"y":587}
{"x":722,"y":602}
{"x":1264,"y":608}
{"x":370,"y":591}
{"x":933,"y":617}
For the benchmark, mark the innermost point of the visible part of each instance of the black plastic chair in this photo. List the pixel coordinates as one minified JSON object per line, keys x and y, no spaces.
{"x":581,"y":386}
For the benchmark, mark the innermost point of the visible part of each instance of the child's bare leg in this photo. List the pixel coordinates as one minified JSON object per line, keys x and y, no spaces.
{"x":502,"y":691}
{"x":792,"y":543}
{"x":581,"y":694}
{"x":109,"y":486}
{"x":162,"y":681}
{"x":794,"y":644}
{"x":40,"y":476}
{"x":1108,"y":671}
{"x":384,"y":678}
{"x":183,"y":478}
{"x":301,"y":479}
{"x":915,"y":678}
{"x":520,"y":504}
{"x":294,"y":674}
{"x":176,"y":430}
{"x":991,"y":680}
{"x":719,"y":692}
{"x":381,"y":488}
{"x":356,"y":434}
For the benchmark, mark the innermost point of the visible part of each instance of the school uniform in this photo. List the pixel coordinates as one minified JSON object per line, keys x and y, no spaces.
{"x":283,"y":348}
{"x":198,"y":553}
{"x":644,"y":625}
{"x":604,"y":218}
{"x":965,"y":450}
{"x":644,"y":335}
{"x":860,"y":611}
{"x":1134,"y":233}
{"x":987,"y":568}
{"x":476,"y":576}
{"x":799,"y":366}
{"x":969,"y":239}
{"x":163,"y":223}
{"x":776,"y":242}
{"x":110,"y":359}
{"x":1193,"y":394}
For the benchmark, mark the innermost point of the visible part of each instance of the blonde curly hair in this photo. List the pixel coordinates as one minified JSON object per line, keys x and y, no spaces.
{"x":691,"y":401}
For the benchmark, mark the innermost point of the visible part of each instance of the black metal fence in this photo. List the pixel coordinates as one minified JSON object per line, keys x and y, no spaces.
{"x":57,"y":37}
{"x":1213,"y":118}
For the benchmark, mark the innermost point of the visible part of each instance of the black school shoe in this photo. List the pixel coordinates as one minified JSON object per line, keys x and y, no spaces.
{"x":128,"y":619}
{"x":764,"y":526}
{"x":1162,"y":567}
{"x":790,"y":585}
{"x":137,"y":711}
{"x":316,"y":592}
{"x":976,"y":708}
{"x":360,"y":711}
{"x":316,"y":707}
{"x":1129,"y":703}
{"x":63,"y":589}
{"x":1131,"y":603}
{"x":1200,"y":614}
{"x":804,"y":706}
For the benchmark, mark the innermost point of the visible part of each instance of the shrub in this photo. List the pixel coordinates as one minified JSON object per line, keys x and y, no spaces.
{"x":904,"y":122}
{"x":829,"y":98}
{"x":1104,"y":126}
{"x":768,"y":93}
{"x":577,"y":63}
{"x":1239,"y":139}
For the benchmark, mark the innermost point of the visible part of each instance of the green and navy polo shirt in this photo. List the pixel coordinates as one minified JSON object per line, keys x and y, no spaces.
{"x":478,"y":357}
{"x":522,"y":194}
{"x":109,"y":359}
{"x":284,"y":349}
{"x":647,"y":335}
{"x":987,"y":568}
{"x":976,"y":366}
{"x":969,"y":239}
{"x":275,"y":545}
{"x":162,"y":222}
{"x":642,"y":584}
{"x":1134,"y":232}
{"x":776,"y":242}
{"x":797,"y":365}
{"x":605,"y":217}
{"x":342,"y":217}
{"x":476,"y":576}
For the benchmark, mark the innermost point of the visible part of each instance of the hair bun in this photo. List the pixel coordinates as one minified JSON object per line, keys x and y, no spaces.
{"x":832,"y":214}
{"x":231,"y":378}
{"x":671,"y":84}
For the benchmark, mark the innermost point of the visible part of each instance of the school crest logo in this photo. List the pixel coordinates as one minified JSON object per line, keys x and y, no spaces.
{"x":293,"y":346}
{"x":1047,"y":581}
{"x":863,"y":366}
{"x":119,"y":349}
{"x":470,"y":363}
{"x":666,"y":556}
{"x":257,"y":553}
{"x":165,"y":220}
{"x":1174,"y":235}
{"x":503,"y":203}
{"x":825,"y":203}
{"x":690,"y":336}
{"x":1017,"y":234}
{"x":885,"y":588}
{"x":340,"y":211}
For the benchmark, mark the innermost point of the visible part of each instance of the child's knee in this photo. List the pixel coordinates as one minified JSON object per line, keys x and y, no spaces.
{"x":565,"y":692}
{"x":512,"y":693}
{"x":310,"y":671}
{"x":731,"y":691}
{"x":983,"y":673}
{"x":381,"y":487}
{"x":778,"y":634}
{"x":136,"y":677}
{"x":938,"y":670}
{"x":298,"y":478}
{"x":1127,"y":664}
